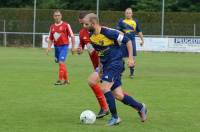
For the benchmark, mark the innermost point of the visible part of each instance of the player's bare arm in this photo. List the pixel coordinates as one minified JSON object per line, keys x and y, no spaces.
{"x":79,"y":50}
{"x":131,"y":61}
{"x":142,"y":38}
{"x":90,"y":48}
{"x":100,"y":69}
{"x":73,"y":50}
{"x":49,"y":46}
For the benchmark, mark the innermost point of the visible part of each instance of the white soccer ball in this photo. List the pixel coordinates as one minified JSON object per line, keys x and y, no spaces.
{"x":87,"y":117}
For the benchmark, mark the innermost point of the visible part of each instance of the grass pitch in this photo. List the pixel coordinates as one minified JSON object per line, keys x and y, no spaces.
{"x":169,"y":84}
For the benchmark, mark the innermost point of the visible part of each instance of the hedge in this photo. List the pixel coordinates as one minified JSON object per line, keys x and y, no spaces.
{"x":176,"y":23}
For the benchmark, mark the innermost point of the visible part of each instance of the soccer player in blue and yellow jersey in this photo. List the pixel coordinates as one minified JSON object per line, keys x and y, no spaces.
{"x":106,"y":42}
{"x":130,"y":27}
{"x":93,"y":79}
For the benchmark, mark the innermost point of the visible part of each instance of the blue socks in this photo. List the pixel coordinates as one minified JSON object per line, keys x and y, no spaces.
{"x":111,"y":103}
{"x":128,"y":100}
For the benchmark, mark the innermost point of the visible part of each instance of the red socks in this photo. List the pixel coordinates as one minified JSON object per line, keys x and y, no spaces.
{"x":62,"y":72}
{"x":65,"y":76}
{"x":100,"y":96}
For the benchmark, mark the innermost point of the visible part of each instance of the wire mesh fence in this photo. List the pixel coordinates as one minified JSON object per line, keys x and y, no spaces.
{"x":20,"y":32}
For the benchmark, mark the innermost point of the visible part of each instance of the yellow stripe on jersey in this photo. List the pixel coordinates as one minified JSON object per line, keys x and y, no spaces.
{"x":131,"y":23}
{"x":101,"y":40}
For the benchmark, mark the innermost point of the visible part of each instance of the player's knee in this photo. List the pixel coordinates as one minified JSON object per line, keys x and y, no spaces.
{"x":119,"y":96}
{"x":61,"y":62}
{"x":93,"y":79}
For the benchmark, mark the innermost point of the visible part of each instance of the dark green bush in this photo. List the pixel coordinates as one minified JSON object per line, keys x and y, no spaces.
{"x":21,"y":20}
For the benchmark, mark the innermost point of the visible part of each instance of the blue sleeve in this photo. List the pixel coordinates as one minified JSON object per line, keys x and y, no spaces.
{"x":115,"y":35}
{"x":125,"y":39}
{"x":138,"y":29}
{"x":119,"y":25}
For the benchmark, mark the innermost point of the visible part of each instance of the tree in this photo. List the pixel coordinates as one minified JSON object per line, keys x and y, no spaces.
{"x":16,"y":3}
{"x":119,"y":5}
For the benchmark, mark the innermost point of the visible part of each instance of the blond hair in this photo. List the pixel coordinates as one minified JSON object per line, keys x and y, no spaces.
{"x":129,"y":9}
{"x":92,"y":18}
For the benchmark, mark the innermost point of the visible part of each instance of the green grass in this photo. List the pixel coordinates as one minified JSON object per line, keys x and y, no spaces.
{"x":169,"y":83}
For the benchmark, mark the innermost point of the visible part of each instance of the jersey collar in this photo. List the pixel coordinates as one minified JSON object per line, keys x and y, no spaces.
{"x":59,"y":23}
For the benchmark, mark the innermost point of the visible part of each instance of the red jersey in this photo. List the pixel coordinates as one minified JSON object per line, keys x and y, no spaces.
{"x":59,"y":33}
{"x":85,"y":41}
{"x":84,"y":37}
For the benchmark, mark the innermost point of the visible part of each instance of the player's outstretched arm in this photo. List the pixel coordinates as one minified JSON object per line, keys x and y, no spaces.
{"x":73,"y":50}
{"x":100,"y":69}
{"x":71,"y":35}
{"x":142,"y":38}
{"x":49,"y":46}
{"x":90,"y":48}
{"x":139,"y":31}
{"x":131,"y":61}
{"x":118,"y":36}
{"x":79,"y":50}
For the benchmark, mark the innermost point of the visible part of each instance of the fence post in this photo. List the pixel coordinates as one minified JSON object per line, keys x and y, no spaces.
{"x":34,"y":21}
{"x":163,"y":18}
{"x":5,"y":35}
{"x":194,"y":29}
{"x":97,"y":10}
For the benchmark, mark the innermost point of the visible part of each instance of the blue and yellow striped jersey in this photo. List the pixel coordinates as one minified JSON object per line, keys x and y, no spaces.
{"x":128,"y":26}
{"x":107,"y":43}
{"x":106,"y":38}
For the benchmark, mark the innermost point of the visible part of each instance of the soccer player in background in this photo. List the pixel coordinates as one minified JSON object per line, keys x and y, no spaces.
{"x":106,"y":41}
{"x":59,"y":35}
{"x":93,"y":79}
{"x":130,"y":27}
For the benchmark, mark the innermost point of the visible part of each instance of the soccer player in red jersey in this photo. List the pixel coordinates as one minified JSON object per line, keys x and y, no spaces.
{"x":93,"y":79}
{"x":59,"y":35}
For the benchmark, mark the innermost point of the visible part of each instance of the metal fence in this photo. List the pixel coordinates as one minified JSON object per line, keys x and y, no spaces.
{"x":20,"y":33}
{"x":20,"y":39}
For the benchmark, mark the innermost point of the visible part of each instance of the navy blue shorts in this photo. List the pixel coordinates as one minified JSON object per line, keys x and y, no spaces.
{"x":112,"y":73}
{"x":125,"y":50}
{"x":61,"y":53}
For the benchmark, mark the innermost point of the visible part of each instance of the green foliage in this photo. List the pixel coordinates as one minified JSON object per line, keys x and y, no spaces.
{"x":183,"y":5}
{"x":149,"y":5}
{"x":117,"y":5}
{"x":16,"y":3}
{"x":21,"y":20}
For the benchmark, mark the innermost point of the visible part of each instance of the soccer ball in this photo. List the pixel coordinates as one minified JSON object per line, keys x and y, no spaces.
{"x":87,"y":117}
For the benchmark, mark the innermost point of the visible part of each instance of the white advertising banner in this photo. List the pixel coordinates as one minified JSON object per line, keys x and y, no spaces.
{"x":46,"y":37}
{"x":45,"y":41}
{"x":176,"y":44}
{"x":184,"y":44}
{"x":152,"y":44}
